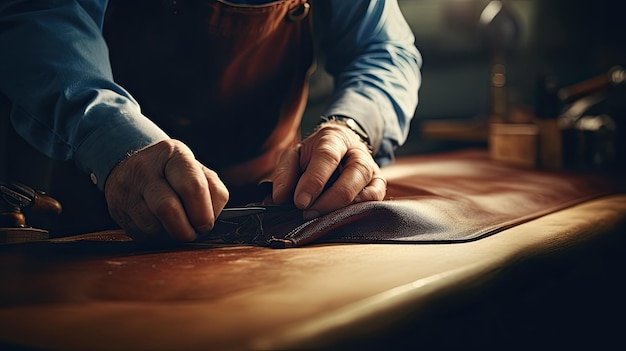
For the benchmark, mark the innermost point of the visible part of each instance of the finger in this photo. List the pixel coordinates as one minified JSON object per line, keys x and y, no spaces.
{"x":355,"y":175}
{"x":128,"y":225}
{"x":286,"y":175}
{"x":323,"y":163}
{"x":165,"y":204}
{"x":219,"y":192}
{"x":188,"y":180}
{"x":144,"y":220}
{"x":374,"y":191}
{"x":124,"y":221}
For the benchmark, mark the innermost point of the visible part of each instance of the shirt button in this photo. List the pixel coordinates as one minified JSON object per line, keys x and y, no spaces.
{"x":93,"y":178}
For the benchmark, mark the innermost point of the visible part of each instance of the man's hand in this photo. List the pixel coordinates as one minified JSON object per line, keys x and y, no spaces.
{"x":306,"y":173}
{"x":164,"y":189}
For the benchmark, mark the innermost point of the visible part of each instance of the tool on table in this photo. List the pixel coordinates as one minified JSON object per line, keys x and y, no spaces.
{"x":236,"y":212}
{"x":14,"y":199}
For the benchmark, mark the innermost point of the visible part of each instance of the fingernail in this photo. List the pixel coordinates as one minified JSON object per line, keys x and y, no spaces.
{"x":304,"y":200}
{"x":308,"y":215}
{"x":204,"y":229}
{"x":278,"y":188}
{"x":187,"y":237}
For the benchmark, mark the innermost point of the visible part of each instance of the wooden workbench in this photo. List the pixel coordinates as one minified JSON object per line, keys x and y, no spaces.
{"x":553,"y":280}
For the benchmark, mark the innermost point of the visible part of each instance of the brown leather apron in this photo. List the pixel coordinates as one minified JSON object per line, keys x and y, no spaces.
{"x":228,"y":80}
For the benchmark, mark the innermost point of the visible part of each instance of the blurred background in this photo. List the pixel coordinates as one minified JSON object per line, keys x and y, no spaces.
{"x":570,"y":40}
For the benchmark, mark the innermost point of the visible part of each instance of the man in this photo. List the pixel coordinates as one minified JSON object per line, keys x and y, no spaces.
{"x":171,"y":106}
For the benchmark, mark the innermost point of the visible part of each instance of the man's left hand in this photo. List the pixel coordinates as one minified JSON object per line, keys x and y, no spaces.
{"x":330,"y":169}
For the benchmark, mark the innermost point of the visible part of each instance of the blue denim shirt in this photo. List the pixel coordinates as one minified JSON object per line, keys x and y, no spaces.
{"x":55,"y":70}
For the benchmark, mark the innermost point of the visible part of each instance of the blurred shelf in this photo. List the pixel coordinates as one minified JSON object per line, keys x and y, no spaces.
{"x":455,"y":130}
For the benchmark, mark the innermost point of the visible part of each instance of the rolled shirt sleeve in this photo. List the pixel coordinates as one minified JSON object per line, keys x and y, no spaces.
{"x":55,"y":70}
{"x":370,"y":51}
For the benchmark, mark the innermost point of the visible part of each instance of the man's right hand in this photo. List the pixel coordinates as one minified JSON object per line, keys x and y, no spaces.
{"x":164,"y":189}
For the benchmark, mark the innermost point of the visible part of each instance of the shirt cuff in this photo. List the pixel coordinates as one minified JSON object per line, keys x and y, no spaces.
{"x":119,"y":135}
{"x":363,"y":110}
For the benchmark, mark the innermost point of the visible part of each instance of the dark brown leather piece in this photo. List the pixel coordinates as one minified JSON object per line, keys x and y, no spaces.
{"x":453,"y":197}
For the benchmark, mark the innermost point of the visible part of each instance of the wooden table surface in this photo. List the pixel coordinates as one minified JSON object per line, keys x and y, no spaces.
{"x":259,"y":298}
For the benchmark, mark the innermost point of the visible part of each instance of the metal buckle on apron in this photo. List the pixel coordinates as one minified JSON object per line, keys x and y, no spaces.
{"x":299,"y":12}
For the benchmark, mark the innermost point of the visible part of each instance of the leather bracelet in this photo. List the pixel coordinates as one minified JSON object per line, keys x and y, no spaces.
{"x":353,"y":126}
